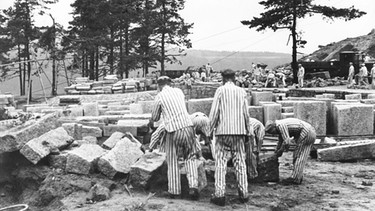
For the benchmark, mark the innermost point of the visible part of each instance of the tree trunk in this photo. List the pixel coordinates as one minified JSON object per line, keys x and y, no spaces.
{"x":127,"y":51}
{"x":162,"y":68}
{"x":294,"y":38}
{"x":97,"y":63}
{"x":83,"y":64}
{"x":92,"y":64}
{"x":20,"y":69}
{"x":120,"y":66}
{"x":111,"y":54}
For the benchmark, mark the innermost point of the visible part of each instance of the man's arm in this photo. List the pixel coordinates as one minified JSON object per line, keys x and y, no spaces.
{"x":214,"y":113}
{"x":249,"y":126}
{"x":283,"y":129}
{"x":156,"y":110}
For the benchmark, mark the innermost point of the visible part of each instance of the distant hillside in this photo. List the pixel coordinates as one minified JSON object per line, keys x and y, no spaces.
{"x":364,"y":44}
{"x":228,"y":59}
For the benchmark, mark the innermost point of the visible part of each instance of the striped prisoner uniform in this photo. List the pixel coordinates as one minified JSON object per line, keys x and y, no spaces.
{"x":201,"y":125}
{"x":229,"y":116}
{"x":253,"y":148}
{"x":179,"y":138}
{"x":304,"y":135}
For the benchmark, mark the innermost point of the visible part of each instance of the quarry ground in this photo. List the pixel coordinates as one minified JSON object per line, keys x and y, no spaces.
{"x":326,"y":186}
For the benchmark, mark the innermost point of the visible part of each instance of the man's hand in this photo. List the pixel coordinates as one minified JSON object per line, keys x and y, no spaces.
{"x":150,"y":123}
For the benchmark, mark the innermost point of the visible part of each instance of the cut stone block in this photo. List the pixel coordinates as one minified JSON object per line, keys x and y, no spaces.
{"x":74,"y":130}
{"x":82,"y":160}
{"x":287,"y":109}
{"x":353,"y":119}
{"x":40,"y":147}
{"x":314,"y":113}
{"x":75,"y":111}
{"x":147,"y":106}
{"x":267,"y":168}
{"x":107,"y":112}
{"x":353,"y":97}
{"x":112,"y":140}
{"x":58,"y":161}
{"x":256,"y":97}
{"x":287,"y":115}
{"x":89,"y":140}
{"x":68,"y":99}
{"x":108,"y":130}
{"x":329,"y":96}
{"x":200,"y":105}
{"x":371,"y":96}
{"x":120,"y":158}
{"x":257,"y":113}
{"x":272,"y":112}
{"x":90,"y":109}
{"x":347,"y":152}
{"x":135,"y":108}
{"x":15,"y":138}
{"x":147,"y":169}
{"x":118,"y":107}
{"x":91,"y":131}
{"x":368,"y":101}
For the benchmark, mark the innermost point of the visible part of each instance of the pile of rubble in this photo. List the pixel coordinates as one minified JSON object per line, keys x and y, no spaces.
{"x":320,"y":82}
{"x":109,"y":85}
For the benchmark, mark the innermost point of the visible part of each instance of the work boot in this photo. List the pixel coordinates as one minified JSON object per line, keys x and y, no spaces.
{"x":243,"y":198}
{"x":170,"y":195}
{"x":220,"y":201}
{"x":194,"y":194}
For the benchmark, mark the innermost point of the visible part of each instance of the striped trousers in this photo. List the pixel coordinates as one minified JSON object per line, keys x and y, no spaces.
{"x":230,"y":146}
{"x":302,"y":152}
{"x":173,"y":143}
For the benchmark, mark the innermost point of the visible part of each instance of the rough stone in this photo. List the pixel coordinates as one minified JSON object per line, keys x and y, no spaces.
{"x":112,"y":140}
{"x":347,"y":152}
{"x":98,"y":193}
{"x":75,"y":111}
{"x":120,"y":159}
{"x":256,"y":97}
{"x":82,"y":160}
{"x":371,"y":96}
{"x":313,"y":112}
{"x":40,"y":147}
{"x":257,"y":113}
{"x":108,"y":130}
{"x":15,"y":138}
{"x":353,"y":119}
{"x":91,"y":131}
{"x":200,"y":105}
{"x":146,"y":106}
{"x":353,"y":97}
{"x":89,"y":140}
{"x":135,"y":108}
{"x":272,"y":112}
{"x":147,"y":169}
{"x":287,"y":109}
{"x":74,"y":130}
{"x":90,"y":109}
{"x":58,"y":160}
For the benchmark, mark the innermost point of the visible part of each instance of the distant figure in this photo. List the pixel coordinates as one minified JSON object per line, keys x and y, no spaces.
{"x":209,"y":70}
{"x":203,"y":76}
{"x":363,"y":73}
{"x":372,"y":74}
{"x":300,"y":75}
{"x":257,"y":73}
{"x":351,"y":74}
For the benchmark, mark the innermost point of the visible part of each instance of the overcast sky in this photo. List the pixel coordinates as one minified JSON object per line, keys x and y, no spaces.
{"x":217,"y":25}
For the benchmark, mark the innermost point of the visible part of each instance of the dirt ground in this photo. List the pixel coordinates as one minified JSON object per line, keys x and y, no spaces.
{"x":326,"y":186}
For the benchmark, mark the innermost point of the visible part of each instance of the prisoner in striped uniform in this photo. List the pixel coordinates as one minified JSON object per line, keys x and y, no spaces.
{"x":230,"y":118}
{"x":201,"y":125}
{"x":253,"y":147}
{"x":304,"y":136}
{"x":179,"y":138}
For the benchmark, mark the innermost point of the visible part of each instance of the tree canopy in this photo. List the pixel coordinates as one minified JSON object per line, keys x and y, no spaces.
{"x":283,"y":14}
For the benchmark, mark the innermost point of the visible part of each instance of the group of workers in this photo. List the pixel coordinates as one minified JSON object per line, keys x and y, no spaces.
{"x":362,"y":75}
{"x":229,"y":131}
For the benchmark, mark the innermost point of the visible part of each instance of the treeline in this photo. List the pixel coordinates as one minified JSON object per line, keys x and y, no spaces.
{"x":104,"y":37}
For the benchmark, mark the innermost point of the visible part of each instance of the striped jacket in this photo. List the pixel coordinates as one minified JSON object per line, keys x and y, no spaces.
{"x":229,"y":113}
{"x":200,"y":122}
{"x":259,"y":132}
{"x":171,"y":102}
{"x":292,"y":127}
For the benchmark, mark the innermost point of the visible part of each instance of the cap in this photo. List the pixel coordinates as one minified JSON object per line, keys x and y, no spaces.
{"x":163,"y":80}
{"x":228,"y":73}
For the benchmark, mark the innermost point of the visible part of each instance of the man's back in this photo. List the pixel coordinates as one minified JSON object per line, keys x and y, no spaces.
{"x":171,"y":102}
{"x":229,"y":110}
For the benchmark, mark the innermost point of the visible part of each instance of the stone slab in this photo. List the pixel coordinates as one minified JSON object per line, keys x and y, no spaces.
{"x":120,"y":159}
{"x":147,"y":169}
{"x":256,"y":97}
{"x":257,"y":113}
{"x":288,"y":109}
{"x":347,"y":152}
{"x":91,"y":131}
{"x":314,"y":113}
{"x":40,"y":147}
{"x":83,"y":160}
{"x":90,"y":109}
{"x":15,"y":138}
{"x":74,"y":130}
{"x":353,"y":119}
{"x":113,"y":139}
{"x":108,"y":130}
{"x":287,"y":115}
{"x":353,"y":97}
{"x":200,"y":105}
{"x":272,"y":112}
